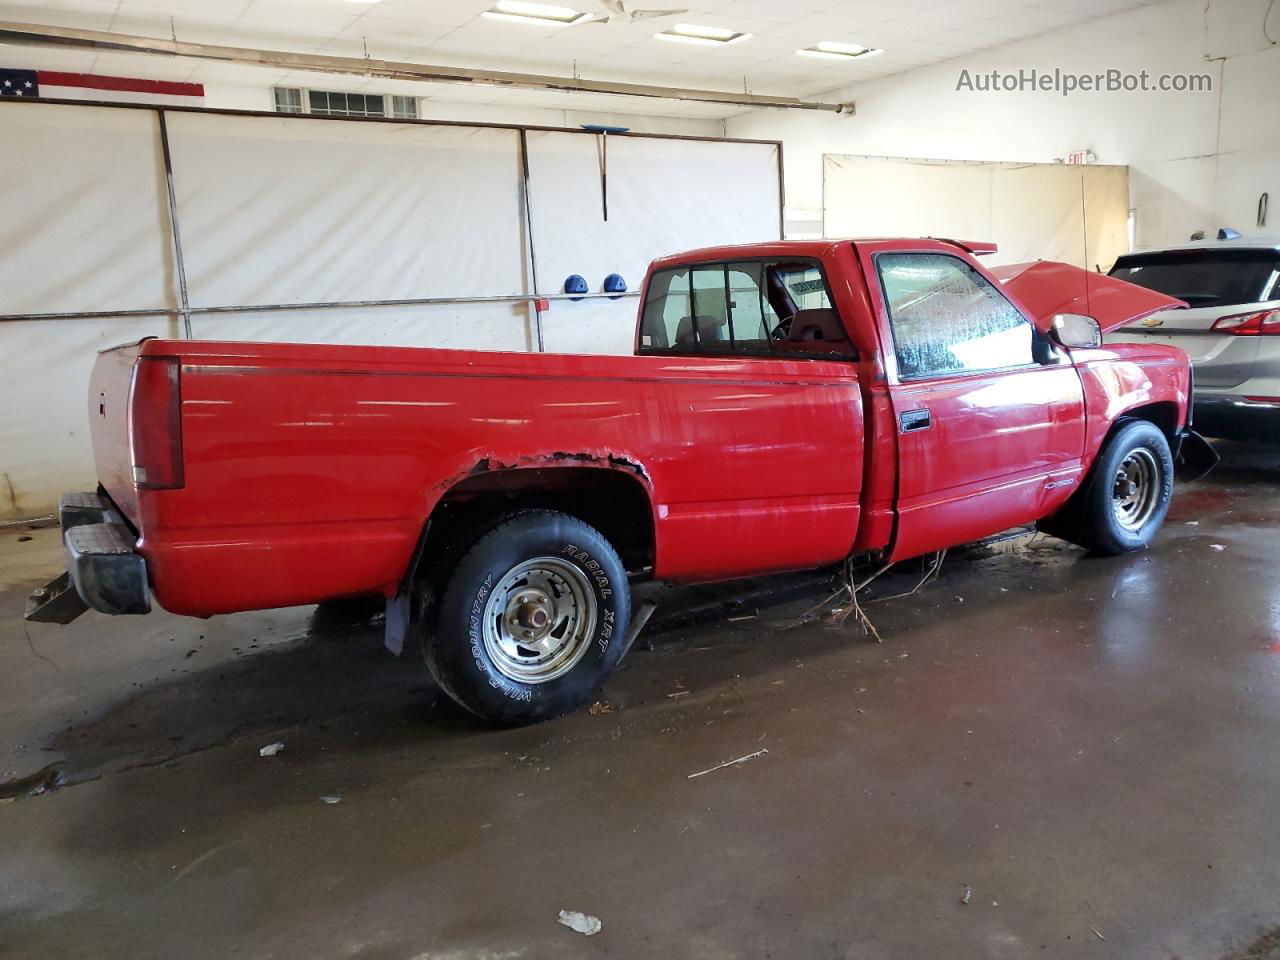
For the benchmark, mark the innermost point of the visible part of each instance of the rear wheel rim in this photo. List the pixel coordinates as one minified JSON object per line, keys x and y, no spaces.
{"x":1135,"y":489}
{"x":539,"y":620}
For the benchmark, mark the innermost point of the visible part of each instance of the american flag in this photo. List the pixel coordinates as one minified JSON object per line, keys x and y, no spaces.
{"x":19,"y":83}
{"x":55,"y":84}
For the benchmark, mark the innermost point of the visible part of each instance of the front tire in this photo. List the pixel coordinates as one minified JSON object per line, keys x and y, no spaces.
{"x":532,"y":619}
{"x":1131,"y":489}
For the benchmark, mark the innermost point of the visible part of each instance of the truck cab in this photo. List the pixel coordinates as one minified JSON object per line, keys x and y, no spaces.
{"x":980,"y":418}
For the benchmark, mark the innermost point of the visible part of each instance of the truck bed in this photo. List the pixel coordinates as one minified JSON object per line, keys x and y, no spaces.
{"x":311,"y":469}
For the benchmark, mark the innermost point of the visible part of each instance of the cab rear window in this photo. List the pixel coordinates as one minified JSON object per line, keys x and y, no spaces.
{"x":743,"y":308}
{"x":1205,"y":278}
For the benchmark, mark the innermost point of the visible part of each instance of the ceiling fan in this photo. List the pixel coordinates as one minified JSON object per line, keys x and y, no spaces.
{"x":618,"y":13}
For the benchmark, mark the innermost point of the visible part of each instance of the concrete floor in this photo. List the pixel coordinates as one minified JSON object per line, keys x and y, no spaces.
{"x":1088,"y":746}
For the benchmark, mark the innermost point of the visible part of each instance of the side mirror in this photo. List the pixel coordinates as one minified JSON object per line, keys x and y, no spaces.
{"x":1075,"y":330}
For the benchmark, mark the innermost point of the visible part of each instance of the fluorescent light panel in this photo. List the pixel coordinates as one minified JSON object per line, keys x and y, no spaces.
{"x":833,"y":50}
{"x":539,"y":14}
{"x":693,"y":33}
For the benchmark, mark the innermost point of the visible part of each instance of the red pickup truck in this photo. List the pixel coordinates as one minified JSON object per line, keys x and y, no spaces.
{"x":789,"y":405}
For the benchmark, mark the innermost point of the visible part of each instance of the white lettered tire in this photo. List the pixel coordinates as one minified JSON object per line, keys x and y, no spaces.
{"x":1130,"y":494}
{"x":532,"y":619}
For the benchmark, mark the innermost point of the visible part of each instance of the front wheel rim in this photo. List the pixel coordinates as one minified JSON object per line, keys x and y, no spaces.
{"x":1135,"y":489}
{"x":539,"y":620}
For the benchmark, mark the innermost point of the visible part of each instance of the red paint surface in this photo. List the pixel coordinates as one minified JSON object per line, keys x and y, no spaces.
{"x":90,"y":81}
{"x":1045,"y":288}
{"x":310,"y":470}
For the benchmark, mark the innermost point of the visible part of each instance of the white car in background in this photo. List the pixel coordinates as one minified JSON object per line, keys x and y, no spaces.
{"x":1230,"y":330}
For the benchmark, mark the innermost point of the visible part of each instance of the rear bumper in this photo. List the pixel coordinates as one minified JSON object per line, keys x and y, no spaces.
{"x":1235,"y":418}
{"x":104,"y":570}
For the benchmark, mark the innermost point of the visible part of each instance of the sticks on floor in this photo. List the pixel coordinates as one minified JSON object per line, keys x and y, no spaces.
{"x":851,"y":588}
{"x":854,"y":607}
{"x":728,"y":763}
{"x":930,"y":574}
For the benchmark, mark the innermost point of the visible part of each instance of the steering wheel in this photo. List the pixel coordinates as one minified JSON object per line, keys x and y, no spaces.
{"x":783,"y":330}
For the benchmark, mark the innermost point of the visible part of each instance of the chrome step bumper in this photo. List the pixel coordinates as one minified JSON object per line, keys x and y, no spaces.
{"x":104,"y":570}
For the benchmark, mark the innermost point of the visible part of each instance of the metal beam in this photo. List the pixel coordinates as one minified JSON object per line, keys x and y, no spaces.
{"x":390,"y":69}
{"x":179,"y":265}
{"x":323,"y":305}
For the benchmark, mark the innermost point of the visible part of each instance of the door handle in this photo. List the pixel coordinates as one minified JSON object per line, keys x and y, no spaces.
{"x":915,"y":420}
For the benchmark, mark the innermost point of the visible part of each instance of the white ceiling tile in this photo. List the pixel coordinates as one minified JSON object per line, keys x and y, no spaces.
{"x":994,"y":8}
{"x":1096,"y":8}
{"x":20,"y":11}
{"x":1003,"y":28}
{"x":600,"y":45}
{"x":91,"y":16}
{"x":306,"y":24}
{"x":444,"y":19}
{"x":487,"y":49}
{"x":760,"y":10}
{"x":223,"y":11}
{"x":942,"y":19}
{"x":1045,"y":19}
{"x":917,"y":9}
{"x":395,"y":40}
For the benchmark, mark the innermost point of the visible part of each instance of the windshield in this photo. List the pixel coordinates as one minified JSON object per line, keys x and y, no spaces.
{"x":1205,"y":278}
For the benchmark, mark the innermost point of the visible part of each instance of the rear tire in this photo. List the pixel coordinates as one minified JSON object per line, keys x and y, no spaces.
{"x":1129,"y":496}
{"x":532,"y":619}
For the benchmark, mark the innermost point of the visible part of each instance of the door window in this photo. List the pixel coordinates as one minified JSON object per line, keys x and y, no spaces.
{"x":947,"y":318}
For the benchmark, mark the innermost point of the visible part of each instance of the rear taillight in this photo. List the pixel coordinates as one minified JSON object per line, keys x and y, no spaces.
{"x":1261,"y":324}
{"x":155,"y":424}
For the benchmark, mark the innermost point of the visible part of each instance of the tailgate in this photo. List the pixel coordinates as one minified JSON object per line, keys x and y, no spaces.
{"x":109,"y":388}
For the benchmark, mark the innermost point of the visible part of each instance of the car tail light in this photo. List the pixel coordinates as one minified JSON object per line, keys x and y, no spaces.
{"x":155,"y":424}
{"x":1263,"y":323}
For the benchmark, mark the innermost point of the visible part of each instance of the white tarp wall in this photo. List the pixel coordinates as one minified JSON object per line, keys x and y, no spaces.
{"x":276,"y":210}
{"x":1035,"y":211}
{"x":84,"y":226}
{"x":284,"y":210}
{"x":663,"y":196}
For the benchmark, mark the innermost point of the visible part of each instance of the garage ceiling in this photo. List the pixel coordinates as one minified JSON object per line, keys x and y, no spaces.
{"x":912,"y":33}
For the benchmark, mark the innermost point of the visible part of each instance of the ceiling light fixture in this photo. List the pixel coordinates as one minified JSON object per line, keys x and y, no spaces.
{"x":831,"y":50}
{"x":539,"y":14}
{"x":692,"y":33}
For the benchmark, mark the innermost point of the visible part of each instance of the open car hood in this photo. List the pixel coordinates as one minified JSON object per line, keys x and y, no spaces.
{"x":1047,"y":287}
